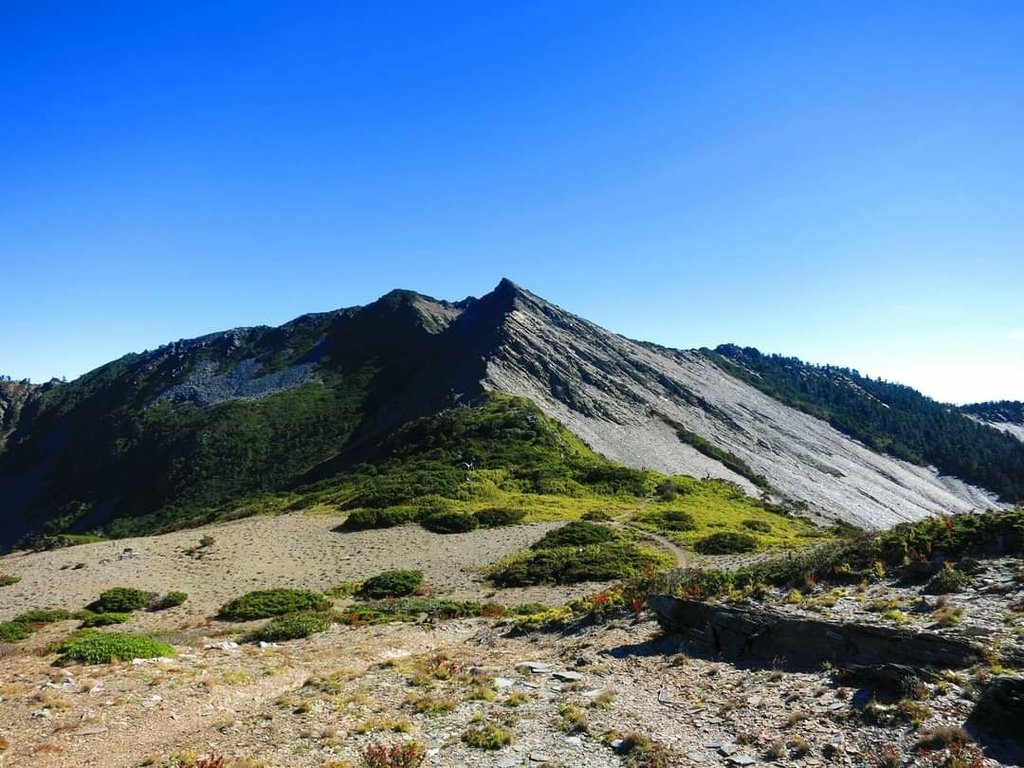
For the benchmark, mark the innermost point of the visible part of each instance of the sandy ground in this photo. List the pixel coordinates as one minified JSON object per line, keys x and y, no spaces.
{"x":293,"y":550}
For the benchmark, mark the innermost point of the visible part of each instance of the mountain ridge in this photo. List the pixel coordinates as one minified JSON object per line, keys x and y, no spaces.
{"x":230,"y":414}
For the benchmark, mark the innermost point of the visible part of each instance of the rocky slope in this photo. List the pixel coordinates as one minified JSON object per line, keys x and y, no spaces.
{"x":623,"y":397}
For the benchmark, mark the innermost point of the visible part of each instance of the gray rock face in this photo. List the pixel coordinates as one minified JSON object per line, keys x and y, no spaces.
{"x":204,"y":386}
{"x":741,"y":634}
{"x":619,"y":395}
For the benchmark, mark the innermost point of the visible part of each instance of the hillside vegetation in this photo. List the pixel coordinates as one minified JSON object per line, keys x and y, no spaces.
{"x":502,"y":461}
{"x":890,"y":418}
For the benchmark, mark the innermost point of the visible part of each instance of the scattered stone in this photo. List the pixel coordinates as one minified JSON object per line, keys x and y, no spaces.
{"x":567,"y":677}
{"x":91,"y":731}
{"x":741,"y":760}
{"x":536,"y":667}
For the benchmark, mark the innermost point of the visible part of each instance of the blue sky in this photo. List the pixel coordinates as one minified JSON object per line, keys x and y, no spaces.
{"x":843,"y":182}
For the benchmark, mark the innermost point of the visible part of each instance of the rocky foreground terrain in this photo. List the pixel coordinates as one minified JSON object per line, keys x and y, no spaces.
{"x":602,"y":689}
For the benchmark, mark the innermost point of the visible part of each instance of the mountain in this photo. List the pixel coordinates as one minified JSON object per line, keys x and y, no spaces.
{"x":1005,"y":415}
{"x":178,"y":435}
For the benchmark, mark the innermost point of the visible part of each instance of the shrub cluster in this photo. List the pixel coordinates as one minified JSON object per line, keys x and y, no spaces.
{"x":607,"y":561}
{"x":268,"y":603}
{"x":726,"y":543}
{"x":499,"y":517}
{"x":7,"y":579}
{"x":375,"y":517}
{"x":170,"y":600}
{"x":450,"y":522}
{"x":398,"y":583}
{"x":120,"y":600}
{"x":575,"y":534}
{"x":291,"y":627}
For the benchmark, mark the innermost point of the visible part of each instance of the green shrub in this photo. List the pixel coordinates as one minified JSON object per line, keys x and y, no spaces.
{"x":92,"y":647}
{"x":450,"y":522}
{"x":373,"y":517}
{"x":947,"y":580}
{"x":170,"y":600}
{"x":120,"y":600}
{"x":104,"y":619}
{"x":759,"y":526}
{"x":670,"y":520}
{"x":396,"y":583}
{"x":497,"y":518}
{"x":488,"y":736}
{"x":606,"y":561}
{"x":575,"y":534}
{"x":40,"y":616}
{"x":597,"y":516}
{"x":291,"y":627}
{"x":726,"y":543}
{"x":14,"y":631}
{"x":267,"y":603}
{"x":6,"y":580}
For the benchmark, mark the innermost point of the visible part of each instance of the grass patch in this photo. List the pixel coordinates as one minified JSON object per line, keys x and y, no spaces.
{"x":7,"y":579}
{"x":268,"y":603}
{"x":92,"y":647}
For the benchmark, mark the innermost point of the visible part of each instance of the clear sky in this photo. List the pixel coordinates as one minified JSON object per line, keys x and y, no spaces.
{"x":843,"y":182}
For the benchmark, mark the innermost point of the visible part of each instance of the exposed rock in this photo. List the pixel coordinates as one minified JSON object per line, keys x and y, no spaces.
{"x":768,"y":637}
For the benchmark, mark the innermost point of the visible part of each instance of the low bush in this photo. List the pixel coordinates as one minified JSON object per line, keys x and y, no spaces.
{"x":92,"y":647}
{"x":291,"y":627}
{"x":170,"y":600}
{"x":120,"y":600}
{"x":575,"y":534}
{"x":408,"y":754}
{"x":372,"y":518}
{"x":947,"y":580}
{"x":14,"y":631}
{"x":450,"y":522}
{"x":7,"y":579}
{"x":267,"y":603}
{"x":398,"y":583}
{"x":606,"y":561}
{"x":597,"y":516}
{"x":40,"y":616}
{"x":487,"y":736}
{"x":498,"y":518}
{"x":726,"y":543}
{"x":758,"y":526}
{"x":104,"y":620}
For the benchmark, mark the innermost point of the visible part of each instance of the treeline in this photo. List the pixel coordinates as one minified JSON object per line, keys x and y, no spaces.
{"x":889,"y":418}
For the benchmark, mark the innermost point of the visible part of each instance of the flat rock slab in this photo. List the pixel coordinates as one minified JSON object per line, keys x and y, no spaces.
{"x":744,"y":634}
